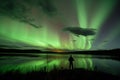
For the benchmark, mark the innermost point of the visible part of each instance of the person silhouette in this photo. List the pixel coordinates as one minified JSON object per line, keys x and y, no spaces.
{"x":70,"y":62}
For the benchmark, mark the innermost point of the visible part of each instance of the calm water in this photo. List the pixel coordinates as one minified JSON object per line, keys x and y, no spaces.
{"x":50,"y":61}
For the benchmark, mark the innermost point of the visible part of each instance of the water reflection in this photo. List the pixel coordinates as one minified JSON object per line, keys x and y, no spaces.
{"x":26,"y":64}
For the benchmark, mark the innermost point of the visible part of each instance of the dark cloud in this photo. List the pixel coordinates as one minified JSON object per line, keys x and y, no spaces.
{"x":80,"y":31}
{"x":30,"y":23}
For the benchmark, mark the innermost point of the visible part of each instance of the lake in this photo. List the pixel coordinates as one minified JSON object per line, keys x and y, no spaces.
{"x":35,"y":62}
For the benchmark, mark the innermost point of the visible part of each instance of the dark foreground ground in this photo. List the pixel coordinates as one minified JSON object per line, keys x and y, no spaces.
{"x":76,"y":74}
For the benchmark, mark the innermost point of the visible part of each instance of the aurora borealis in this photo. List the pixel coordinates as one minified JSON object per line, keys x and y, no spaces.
{"x":39,"y":23}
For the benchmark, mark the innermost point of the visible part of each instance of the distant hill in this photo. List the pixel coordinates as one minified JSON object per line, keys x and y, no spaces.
{"x":114,"y":52}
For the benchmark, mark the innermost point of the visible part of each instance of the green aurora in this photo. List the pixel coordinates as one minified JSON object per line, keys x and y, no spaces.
{"x":49,"y":35}
{"x":41,"y":27}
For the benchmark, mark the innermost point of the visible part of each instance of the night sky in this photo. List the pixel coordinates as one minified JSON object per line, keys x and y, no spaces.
{"x":40,"y":24}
